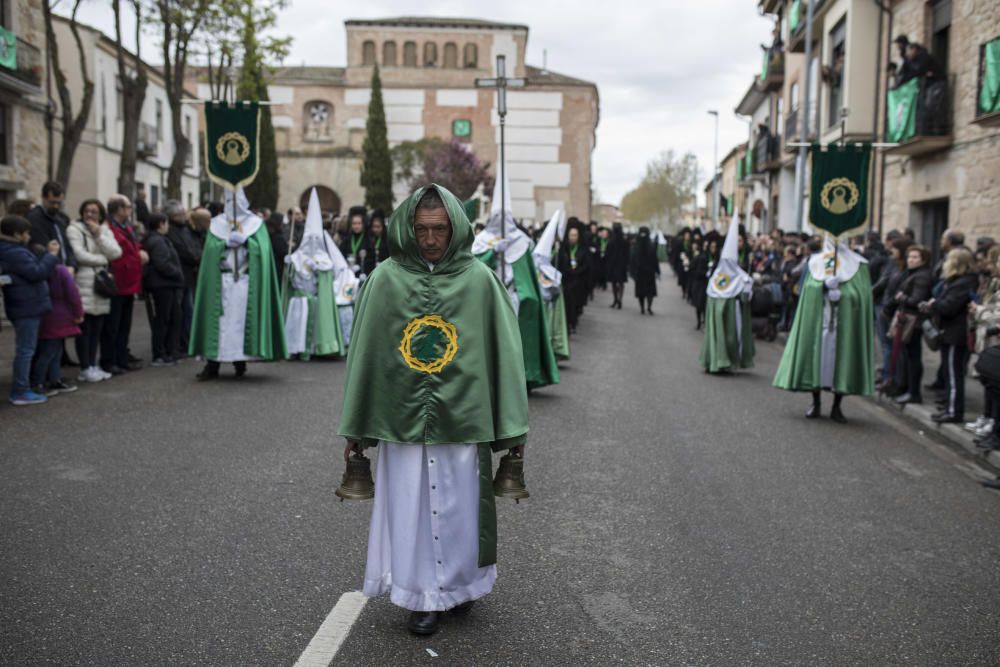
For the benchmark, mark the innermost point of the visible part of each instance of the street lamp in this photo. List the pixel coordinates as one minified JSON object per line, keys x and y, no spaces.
{"x":715,"y":172}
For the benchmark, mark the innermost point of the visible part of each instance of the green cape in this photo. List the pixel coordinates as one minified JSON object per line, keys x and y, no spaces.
{"x":540,"y":367}
{"x":721,"y":349}
{"x":799,"y":369}
{"x":436,"y":355}
{"x":556,"y":311}
{"x":323,"y":334}
{"x":264,"y":336}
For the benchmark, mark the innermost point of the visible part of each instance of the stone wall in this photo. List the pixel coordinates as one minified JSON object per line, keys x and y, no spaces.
{"x":968,"y":173}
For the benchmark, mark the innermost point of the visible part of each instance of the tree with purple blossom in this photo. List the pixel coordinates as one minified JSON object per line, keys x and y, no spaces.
{"x":451,"y":164}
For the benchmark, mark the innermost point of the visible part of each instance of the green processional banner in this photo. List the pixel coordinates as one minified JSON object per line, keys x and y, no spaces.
{"x":902,"y":111}
{"x":838,"y":201}
{"x":232,"y":135}
{"x":989,"y":92}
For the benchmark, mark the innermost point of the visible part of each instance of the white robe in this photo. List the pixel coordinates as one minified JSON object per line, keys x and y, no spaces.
{"x":423,"y":544}
{"x":235,"y":293}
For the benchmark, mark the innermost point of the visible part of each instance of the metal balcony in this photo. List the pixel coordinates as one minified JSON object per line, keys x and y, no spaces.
{"x":148,"y":143}
{"x":766,"y":153}
{"x":26,"y":75}
{"x":933,"y":127}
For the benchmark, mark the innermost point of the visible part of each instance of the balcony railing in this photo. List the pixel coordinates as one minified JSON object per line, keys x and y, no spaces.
{"x":773,"y":75}
{"x":148,"y":143}
{"x":919,"y":116}
{"x":988,"y":85}
{"x":20,"y":59}
{"x":797,"y":24}
{"x":766,"y":152}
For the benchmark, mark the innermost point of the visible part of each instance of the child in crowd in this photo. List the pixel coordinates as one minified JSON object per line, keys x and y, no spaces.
{"x":26,"y":299}
{"x":62,"y":322}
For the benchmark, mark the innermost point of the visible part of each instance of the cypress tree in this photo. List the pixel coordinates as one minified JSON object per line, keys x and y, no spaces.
{"x":376,"y":169}
{"x":252,"y":85}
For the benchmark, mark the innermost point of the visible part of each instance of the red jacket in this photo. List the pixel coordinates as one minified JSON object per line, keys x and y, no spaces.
{"x":127,"y":269}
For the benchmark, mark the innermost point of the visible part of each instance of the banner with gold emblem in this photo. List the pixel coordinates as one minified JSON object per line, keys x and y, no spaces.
{"x":838,"y":199}
{"x":232,"y":136}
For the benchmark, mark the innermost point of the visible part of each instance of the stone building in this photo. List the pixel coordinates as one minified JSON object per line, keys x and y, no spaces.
{"x":23,"y":148}
{"x":428,"y":68}
{"x":97,"y":159}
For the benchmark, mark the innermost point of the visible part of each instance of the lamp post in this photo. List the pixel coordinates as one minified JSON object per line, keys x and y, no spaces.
{"x":715,"y":172}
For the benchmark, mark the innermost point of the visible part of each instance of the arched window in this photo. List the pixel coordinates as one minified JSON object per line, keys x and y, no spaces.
{"x":368,"y":53}
{"x":470,"y":56}
{"x":389,"y":54}
{"x":317,"y":121}
{"x":410,"y":54}
{"x":450,"y":55}
{"x":430,"y":54}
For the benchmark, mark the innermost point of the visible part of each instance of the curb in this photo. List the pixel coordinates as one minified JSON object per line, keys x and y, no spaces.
{"x":921,"y":415}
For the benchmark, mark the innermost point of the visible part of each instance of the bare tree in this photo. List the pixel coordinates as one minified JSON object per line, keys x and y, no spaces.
{"x":133,"y":81}
{"x":72,"y":125}
{"x":180,"y":21}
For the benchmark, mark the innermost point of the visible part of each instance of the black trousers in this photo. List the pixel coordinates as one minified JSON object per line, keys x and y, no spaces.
{"x":166,"y":319}
{"x":117,"y":329}
{"x":956,"y":358}
{"x":86,"y":342}
{"x":914,"y":351}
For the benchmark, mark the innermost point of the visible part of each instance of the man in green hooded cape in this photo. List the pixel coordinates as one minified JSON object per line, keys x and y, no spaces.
{"x":831,"y":343}
{"x":237,"y":303}
{"x":434,"y":379}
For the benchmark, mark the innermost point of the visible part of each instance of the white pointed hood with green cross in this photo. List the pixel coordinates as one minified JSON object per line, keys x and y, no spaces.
{"x":729,"y":279}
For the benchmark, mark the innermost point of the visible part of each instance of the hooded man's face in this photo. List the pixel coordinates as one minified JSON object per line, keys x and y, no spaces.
{"x":432,"y":229}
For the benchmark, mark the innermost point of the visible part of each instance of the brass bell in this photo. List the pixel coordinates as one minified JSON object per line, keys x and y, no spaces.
{"x":509,"y":480}
{"x":357,"y":483}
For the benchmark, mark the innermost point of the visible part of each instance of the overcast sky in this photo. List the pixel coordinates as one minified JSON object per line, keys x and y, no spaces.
{"x":659,"y":64}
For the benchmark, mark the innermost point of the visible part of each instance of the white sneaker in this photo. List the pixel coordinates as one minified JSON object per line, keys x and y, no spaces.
{"x":976,"y":425}
{"x":92,"y":374}
{"x":985,"y":429}
{"x":104,"y":375}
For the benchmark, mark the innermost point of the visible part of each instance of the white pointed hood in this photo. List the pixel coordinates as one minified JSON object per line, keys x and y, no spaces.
{"x":315,"y":244}
{"x":728,"y":279}
{"x":516,"y":242}
{"x":549,"y":277}
{"x":848,"y":262}
{"x":236,"y":216}
{"x":660,"y":238}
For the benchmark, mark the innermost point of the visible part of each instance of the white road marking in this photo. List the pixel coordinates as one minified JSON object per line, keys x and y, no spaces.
{"x":331,"y":635}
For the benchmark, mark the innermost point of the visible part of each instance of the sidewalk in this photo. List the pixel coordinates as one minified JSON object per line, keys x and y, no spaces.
{"x":921,"y":414}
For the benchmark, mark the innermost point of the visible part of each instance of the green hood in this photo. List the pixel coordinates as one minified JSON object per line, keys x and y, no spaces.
{"x":403,"y":244}
{"x":435,"y":356}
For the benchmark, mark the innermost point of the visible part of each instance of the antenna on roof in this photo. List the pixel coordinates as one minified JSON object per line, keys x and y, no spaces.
{"x":545,"y":61}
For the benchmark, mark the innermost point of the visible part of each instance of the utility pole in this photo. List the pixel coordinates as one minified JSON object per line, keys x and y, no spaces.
{"x":800,"y":162}
{"x":715,"y":172}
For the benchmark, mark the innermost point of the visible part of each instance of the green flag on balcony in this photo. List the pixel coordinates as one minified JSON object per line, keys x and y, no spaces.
{"x":793,"y":16}
{"x":989,"y":93}
{"x":838,"y":202}
{"x":8,"y":49}
{"x":232,"y":136}
{"x":763,"y":67}
{"x":902,"y":111}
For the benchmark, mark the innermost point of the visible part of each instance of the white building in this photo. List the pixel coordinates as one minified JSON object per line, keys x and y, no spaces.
{"x":96,"y":164}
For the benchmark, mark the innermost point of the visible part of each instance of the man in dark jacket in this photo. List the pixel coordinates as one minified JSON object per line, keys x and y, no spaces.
{"x":163,"y":281}
{"x":49,"y":223}
{"x":188,"y":246}
{"x":26,"y":299}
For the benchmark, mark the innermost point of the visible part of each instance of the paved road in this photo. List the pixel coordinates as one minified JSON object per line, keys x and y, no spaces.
{"x":675,"y":518}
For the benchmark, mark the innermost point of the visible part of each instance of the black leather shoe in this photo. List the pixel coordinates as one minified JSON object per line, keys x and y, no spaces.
{"x":991,"y":483}
{"x":838,"y":416}
{"x":209,"y":372}
{"x":463,"y":608}
{"x":241,"y":368}
{"x":813,"y":413}
{"x":423,"y":622}
{"x":117,"y":370}
{"x":934,"y":386}
{"x":945,"y":418}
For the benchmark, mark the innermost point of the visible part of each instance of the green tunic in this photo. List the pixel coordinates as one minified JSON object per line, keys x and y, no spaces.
{"x":721,"y":349}
{"x":433,"y":355}
{"x":323,"y":334}
{"x":540,"y":366}
{"x":853,"y":372}
{"x":264,"y":336}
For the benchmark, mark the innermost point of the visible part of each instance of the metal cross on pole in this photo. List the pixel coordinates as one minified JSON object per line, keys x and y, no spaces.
{"x":502,"y":83}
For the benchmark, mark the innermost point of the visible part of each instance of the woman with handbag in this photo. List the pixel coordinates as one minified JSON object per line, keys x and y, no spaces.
{"x":951,"y":309}
{"x":95,"y":247}
{"x":914,"y":290}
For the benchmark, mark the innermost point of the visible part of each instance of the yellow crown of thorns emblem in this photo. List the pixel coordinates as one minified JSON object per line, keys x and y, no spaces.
{"x":433,"y":365}
{"x":232,"y":148}
{"x":844,"y":193}
{"x":722,"y":280}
